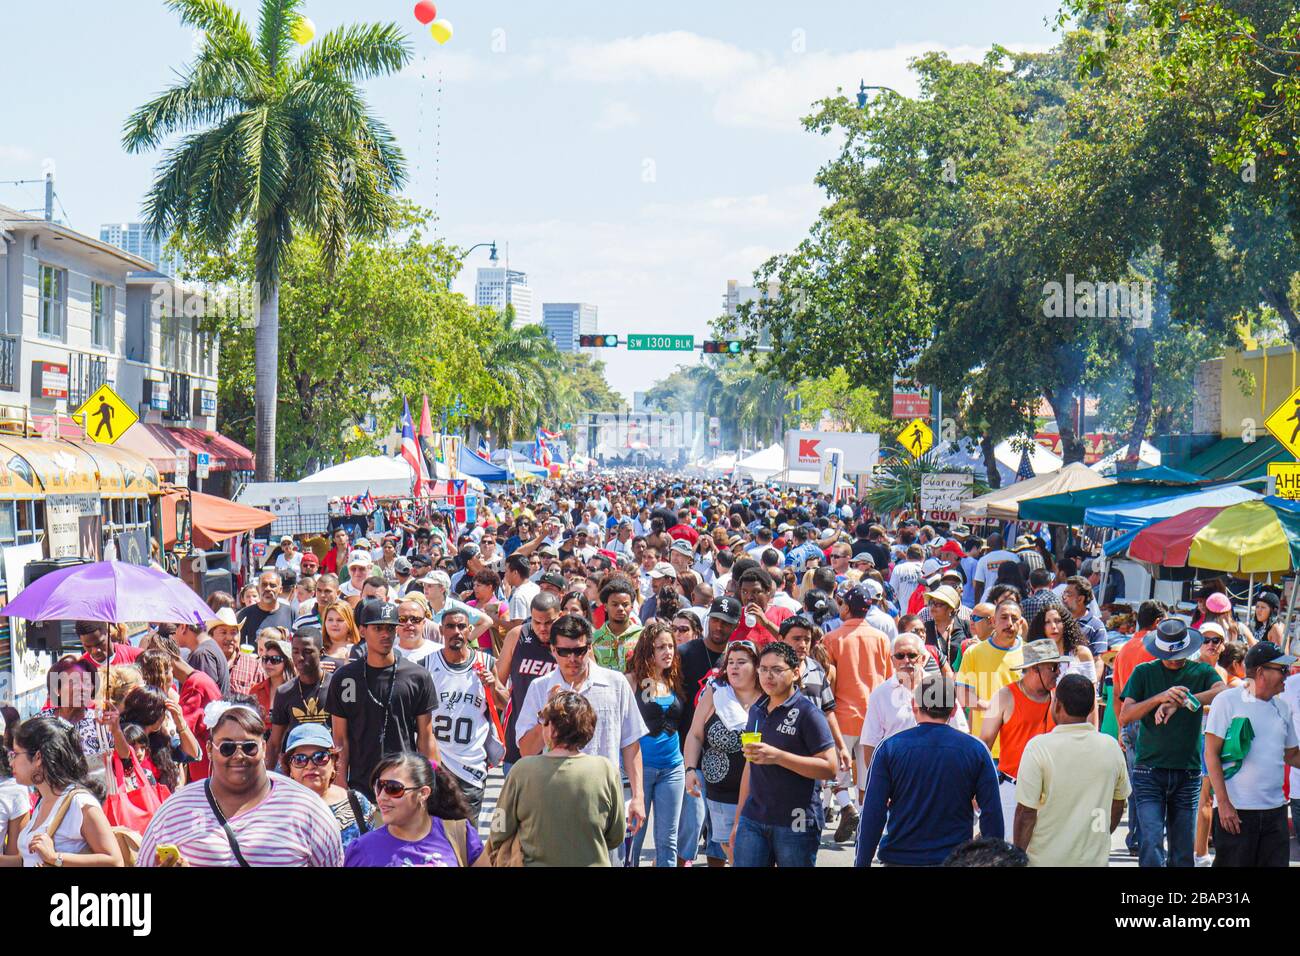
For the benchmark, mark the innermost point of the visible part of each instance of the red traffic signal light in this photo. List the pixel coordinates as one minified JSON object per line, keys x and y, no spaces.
{"x":720,"y":347}
{"x":598,"y":341}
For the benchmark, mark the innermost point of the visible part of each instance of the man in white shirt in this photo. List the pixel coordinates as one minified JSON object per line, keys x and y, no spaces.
{"x":889,"y":708}
{"x":619,"y":727}
{"x":289,"y":558}
{"x":522,"y":589}
{"x":986,"y":571}
{"x":876,"y":615}
{"x":359,"y":565}
{"x":1250,"y":813}
{"x":622,"y":543}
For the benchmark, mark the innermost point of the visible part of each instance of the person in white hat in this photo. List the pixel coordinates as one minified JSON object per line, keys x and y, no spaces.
{"x":359,"y":564}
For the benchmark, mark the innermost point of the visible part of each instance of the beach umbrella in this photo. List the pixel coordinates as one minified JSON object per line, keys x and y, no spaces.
{"x":111,"y":591}
{"x":1251,"y":537}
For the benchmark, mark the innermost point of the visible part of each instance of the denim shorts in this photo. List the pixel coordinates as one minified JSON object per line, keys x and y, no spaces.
{"x":722,"y":816}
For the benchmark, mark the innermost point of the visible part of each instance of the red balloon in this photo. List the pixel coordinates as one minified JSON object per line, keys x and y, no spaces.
{"x":425,"y":11}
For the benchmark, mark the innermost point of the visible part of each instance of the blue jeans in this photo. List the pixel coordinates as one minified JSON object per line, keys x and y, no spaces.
{"x":1128,"y":735}
{"x":763,"y":844}
{"x":663,"y":793}
{"x":689,"y":825}
{"x":1166,"y":803}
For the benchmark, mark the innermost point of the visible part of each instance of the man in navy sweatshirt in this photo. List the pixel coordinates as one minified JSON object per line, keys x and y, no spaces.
{"x":921,"y":784}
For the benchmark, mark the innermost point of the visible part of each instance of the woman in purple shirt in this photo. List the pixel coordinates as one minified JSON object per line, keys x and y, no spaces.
{"x":425,"y":819}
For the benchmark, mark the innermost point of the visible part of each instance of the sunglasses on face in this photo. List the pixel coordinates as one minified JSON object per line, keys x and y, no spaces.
{"x":320,"y":758}
{"x":682,"y":629}
{"x":273,"y":659}
{"x":906,"y":657}
{"x":571,"y":651}
{"x":394,"y":788}
{"x":250,"y":748}
{"x":979,"y":617}
{"x":409,"y":619}
{"x":1214,"y":641}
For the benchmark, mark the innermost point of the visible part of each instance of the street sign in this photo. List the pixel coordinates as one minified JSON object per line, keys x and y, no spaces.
{"x":202,"y":461}
{"x":661,"y":343}
{"x":1286,"y":479}
{"x":910,"y":399}
{"x":942,"y":495}
{"x":1284,"y":423}
{"x":104,"y":416}
{"x":183,"y":468}
{"x":916,"y":438}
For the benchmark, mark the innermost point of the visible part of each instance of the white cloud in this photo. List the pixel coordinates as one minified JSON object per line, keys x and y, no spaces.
{"x":679,"y":55}
{"x":617,"y":114}
{"x":16,"y":154}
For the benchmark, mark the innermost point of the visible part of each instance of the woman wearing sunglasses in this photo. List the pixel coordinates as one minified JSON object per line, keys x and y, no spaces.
{"x":241,"y":815}
{"x":277,"y":662}
{"x":311,"y":759}
{"x":425,"y":818}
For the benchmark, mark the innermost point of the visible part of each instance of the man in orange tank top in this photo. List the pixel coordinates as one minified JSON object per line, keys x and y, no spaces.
{"x":1020,"y":711}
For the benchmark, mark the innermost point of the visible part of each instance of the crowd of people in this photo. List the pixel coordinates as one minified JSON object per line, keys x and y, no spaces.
{"x":746,"y":674}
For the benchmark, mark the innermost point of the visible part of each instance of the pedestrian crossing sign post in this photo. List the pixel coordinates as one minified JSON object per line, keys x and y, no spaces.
{"x":1284,"y":423}
{"x":916,"y":438}
{"x":104,"y":416}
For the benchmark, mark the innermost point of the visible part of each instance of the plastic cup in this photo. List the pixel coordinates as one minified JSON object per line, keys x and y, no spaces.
{"x":751,"y":620}
{"x":751,"y":737}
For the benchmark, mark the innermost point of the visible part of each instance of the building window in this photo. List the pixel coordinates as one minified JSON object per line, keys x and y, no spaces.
{"x":101,"y":315}
{"x":204,"y":353}
{"x":169,"y":340}
{"x":53,"y":287}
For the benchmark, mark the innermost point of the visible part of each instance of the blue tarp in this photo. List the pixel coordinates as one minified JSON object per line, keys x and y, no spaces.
{"x":472,"y":464}
{"x":1159,"y":473}
{"x":1139,"y":515}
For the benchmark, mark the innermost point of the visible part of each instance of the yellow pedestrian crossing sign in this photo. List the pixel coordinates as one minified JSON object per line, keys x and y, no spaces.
{"x":916,"y":437}
{"x":104,"y":416}
{"x":1284,"y":423}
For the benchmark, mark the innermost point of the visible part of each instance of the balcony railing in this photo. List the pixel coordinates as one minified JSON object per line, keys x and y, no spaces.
{"x":8,"y":363}
{"x":85,"y":374}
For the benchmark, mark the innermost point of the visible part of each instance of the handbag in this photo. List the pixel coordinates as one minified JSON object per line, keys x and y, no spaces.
{"x":132,"y":809}
{"x":509,"y":852}
{"x":221,"y":818}
{"x":1236,"y":745}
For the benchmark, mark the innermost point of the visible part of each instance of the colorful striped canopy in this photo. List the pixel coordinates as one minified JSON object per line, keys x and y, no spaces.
{"x":1252,"y":537}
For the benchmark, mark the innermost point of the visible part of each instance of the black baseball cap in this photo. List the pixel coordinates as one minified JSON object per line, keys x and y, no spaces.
{"x":421,"y":560}
{"x":555,"y":579}
{"x":1266,"y":652}
{"x":726,"y":610}
{"x":378,"y":612}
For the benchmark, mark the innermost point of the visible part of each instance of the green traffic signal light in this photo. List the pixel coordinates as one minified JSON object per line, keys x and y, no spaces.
{"x":733,"y":347}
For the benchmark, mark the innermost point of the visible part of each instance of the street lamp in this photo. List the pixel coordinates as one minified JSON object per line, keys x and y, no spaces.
{"x":492,"y":255}
{"x":862,"y":93}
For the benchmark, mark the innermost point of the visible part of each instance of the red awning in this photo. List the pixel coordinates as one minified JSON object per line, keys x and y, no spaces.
{"x":155,"y":443}
{"x":58,"y":426}
{"x":212,"y":519}
{"x":227,"y":454}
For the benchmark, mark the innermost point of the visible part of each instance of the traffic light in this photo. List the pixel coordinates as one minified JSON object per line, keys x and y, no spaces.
{"x":598,"y":341}
{"x":718,"y":346}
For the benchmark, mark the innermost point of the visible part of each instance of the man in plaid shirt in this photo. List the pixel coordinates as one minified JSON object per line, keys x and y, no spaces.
{"x":245,"y":669}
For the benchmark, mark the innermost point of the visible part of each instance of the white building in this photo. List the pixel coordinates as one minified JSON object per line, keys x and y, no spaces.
{"x":498,"y":287}
{"x":565,"y":321}
{"x":136,"y":239}
{"x":77,"y":313}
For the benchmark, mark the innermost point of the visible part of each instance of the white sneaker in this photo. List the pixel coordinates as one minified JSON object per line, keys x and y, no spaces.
{"x":1207,"y":860}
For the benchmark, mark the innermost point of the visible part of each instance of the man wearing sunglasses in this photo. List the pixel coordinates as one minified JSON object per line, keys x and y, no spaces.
{"x":380,"y":704}
{"x":1250,"y":814}
{"x":1020,"y":711}
{"x":619,"y":727}
{"x":889,"y":708}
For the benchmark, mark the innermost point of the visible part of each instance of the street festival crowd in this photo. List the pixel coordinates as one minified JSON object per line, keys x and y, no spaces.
{"x":744,"y":672}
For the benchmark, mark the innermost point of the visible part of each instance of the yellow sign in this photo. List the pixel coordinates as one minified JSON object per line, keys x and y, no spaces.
{"x":1284,"y":423}
{"x":1286,"y":475}
{"x":105,"y":416}
{"x":916,"y":437}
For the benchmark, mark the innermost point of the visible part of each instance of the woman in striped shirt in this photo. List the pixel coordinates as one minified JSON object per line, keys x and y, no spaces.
{"x":241,"y":815}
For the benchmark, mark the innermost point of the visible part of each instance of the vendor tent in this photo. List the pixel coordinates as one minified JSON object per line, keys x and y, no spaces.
{"x":362,"y":473}
{"x":761,"y":465}
{"x":474,"y":466}
{"x":1162,"y":473}
{"x":1040,"y":458}
{"x":1004,"y":503}
{"x":966,"y":455}
{"x":213,"y":519}
{"x":1141,"y":514}
{"x":1148,"y":454}
{"x":1069,"y":508}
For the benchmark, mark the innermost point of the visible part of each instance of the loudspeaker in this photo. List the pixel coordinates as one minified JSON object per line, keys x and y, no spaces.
{"x":216,"y":580}
{"x":54,"y":637}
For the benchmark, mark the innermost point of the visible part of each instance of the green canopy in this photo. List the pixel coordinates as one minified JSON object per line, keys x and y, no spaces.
{"x":1068,"y":508}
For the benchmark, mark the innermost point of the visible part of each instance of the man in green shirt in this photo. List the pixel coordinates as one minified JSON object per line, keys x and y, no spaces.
{"x":1168,"y":695}
{"x":613,"y":642}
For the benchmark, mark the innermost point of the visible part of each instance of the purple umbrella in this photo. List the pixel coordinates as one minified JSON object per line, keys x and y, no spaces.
{"x":111,"y":591}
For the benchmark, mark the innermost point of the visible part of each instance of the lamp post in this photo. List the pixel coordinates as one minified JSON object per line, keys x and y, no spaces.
{"x":862,"y":93}
{"x":492,"y":255}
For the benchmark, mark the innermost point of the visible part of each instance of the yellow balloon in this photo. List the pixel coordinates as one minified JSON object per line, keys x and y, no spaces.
{"x":303,"y":31}
{"x":440,"y":30}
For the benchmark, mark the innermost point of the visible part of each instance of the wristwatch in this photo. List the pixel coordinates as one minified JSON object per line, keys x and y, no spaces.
{"x":58,"y":859}
{"x":694,"y":769}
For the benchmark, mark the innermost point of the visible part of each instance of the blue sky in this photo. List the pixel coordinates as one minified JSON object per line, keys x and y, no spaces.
{"x":635,"y":156}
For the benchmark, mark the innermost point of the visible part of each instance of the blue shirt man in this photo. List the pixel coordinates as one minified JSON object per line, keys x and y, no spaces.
{"x":922,"y":782}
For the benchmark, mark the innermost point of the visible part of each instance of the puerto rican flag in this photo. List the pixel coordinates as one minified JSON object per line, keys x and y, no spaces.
{"x":541,"y":451}
{"x":411,"y":451}
{"x":484,"y":451}
{"x":547,"y":434}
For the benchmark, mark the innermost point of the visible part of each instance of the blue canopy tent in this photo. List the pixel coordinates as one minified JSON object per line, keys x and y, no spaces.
{"x":472,"y":464}
{"x":1161,"y":473}
{"x":1128,"y":517}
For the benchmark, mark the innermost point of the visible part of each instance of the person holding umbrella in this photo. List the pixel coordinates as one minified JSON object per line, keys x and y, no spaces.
{"x":98,"y":646}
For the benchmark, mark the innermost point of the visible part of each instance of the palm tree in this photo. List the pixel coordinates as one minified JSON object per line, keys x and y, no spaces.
{"x":276,"y":142}
{"x":524,"y":360}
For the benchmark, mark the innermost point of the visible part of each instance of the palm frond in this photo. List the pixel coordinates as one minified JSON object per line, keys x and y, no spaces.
{"x":274,"y":32}
{"x":354,"y":53}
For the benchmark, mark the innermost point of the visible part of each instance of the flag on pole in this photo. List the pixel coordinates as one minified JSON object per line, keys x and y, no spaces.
{"x":484,"y":450}
{"x":541,"y":452}
{"x":424,"y":437}
{"x":411,"y":451}
{"x":1026,"y":469}
{"x":547,"y":434}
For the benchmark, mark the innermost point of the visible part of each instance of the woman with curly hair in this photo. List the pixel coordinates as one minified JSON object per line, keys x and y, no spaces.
{"x":656,"y":679}
{"x":1061,"y":627}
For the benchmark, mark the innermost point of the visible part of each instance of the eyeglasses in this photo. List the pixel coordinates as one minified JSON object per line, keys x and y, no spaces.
{"x":394,"y":788}
{"x":250,"y":748}
{"x":320,"y":758}
{"x":571,"y":651}
{"x":906,"y":657}
{"x":273,"y":659}
{"x":683,"y":629}
{"x":773,"y":671}
{"x":409,"y":619}
{"x":29,"y":754}
{"x":1214,"y":641}
{"x":979,"y":617}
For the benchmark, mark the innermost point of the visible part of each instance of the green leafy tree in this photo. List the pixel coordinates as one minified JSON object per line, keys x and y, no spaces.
{"x":276,"y":141}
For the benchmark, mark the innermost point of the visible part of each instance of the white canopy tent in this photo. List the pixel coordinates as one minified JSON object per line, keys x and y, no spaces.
{"x":761,"y":465}
{"x":372,"y":468}
{"x":1148,"y":455}
{"x":1040,"y":458}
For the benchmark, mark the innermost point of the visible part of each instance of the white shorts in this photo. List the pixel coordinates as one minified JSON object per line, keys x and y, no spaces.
{"x":845,"y":779}
{"x":1007,"y":796}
